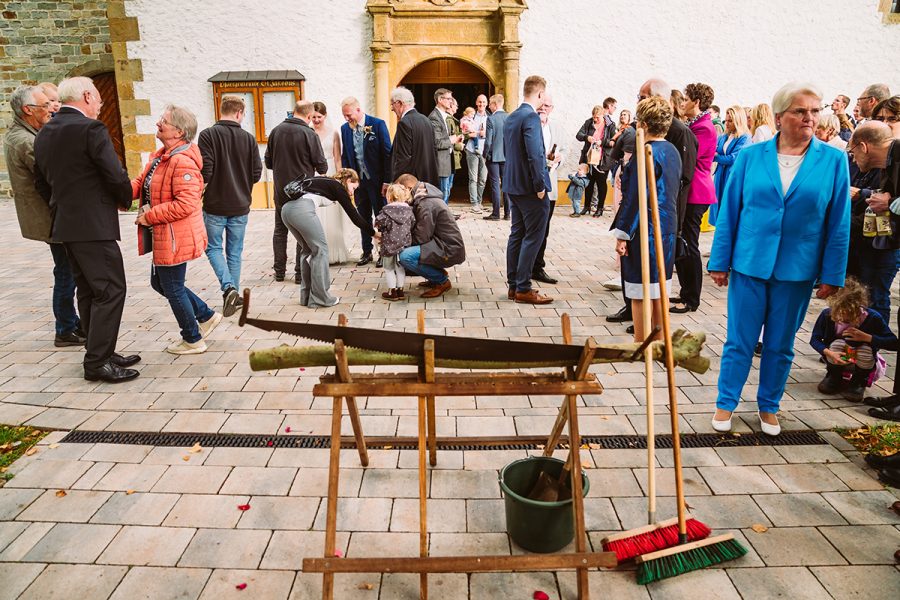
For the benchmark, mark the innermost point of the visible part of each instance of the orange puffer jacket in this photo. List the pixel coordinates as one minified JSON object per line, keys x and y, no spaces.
{"x":176,"y":202}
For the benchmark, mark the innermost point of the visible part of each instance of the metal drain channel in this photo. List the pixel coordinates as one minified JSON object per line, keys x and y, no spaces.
{"x":609,"y":442}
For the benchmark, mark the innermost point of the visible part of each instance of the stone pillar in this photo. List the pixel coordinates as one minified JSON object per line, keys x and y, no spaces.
{"x":381,"y":57}
{"x":511,"y":75}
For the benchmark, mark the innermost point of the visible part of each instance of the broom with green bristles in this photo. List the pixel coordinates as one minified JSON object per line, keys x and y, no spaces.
{"x":686,"y":556}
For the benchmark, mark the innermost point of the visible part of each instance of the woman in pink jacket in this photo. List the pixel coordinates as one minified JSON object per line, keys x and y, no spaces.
{"x":171,"y":224}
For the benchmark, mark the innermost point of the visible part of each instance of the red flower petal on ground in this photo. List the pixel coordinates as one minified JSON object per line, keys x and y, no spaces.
{"x":243,"y":507}
{"x":339,"y":554}
{"x":287,"y":429}
{"x":269,"y":443}
{"x":539,"y":595}
{"x":241,"y":586}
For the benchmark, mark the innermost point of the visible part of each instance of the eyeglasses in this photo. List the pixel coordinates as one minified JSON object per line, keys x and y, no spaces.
{"x":802,"y":112}
{"x":853,"y":147}
{"x":865,"y":98}
{"x":45,"y":105}
{"x":888,"y":119}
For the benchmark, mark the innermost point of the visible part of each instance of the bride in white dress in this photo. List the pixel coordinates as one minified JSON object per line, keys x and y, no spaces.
{"x":332,"y":216}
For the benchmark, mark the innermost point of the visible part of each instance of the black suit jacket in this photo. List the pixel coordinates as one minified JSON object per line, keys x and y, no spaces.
{"x":79,"y":175}
{"x":294,"y":150}
{"x":414,"y":151}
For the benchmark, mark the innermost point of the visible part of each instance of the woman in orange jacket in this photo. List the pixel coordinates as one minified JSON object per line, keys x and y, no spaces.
{"x":171,"y":224}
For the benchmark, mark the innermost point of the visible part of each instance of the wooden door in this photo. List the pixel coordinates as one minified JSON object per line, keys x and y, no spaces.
{"x":109,"y":114}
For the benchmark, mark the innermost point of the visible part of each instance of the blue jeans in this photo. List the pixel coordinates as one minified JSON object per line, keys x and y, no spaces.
{"x":528,"y":228}
{"x":409,"y":258}
{"x":445,"y":184}
{"x":63,"y":291}
{"x":186,"y":306}
{"x":876,"y":271}
{"x":227,"y":265}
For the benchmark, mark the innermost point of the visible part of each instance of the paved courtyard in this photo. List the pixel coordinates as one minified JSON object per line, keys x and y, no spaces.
{"x":159,"y":522}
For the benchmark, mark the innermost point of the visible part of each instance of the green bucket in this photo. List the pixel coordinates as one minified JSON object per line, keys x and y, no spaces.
{"x":532,"y":524}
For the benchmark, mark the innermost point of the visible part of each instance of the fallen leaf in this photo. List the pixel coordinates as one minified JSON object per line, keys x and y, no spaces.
{"x":759,"y":528}
{"x":241,"y":586}
{"x":539,"y":595}
{"x":338,"y":554}
{"x":604,"y":417}
{"x":365,"y":586}
{"x":61,"y":493}
{"x":388,"y":447}
{"x":736,"y":434}
{"x":540,"y":446}
{"x":185,"y":458}
{"x":243,"y":507}
{"x":585,"y":447}
{"x":129,"y":492}
{"x":196,"y":448}
{"x":31,"y":451}
{"x":594,"y":446}
{"x":53,"y":446}
{"x":302,"y":368}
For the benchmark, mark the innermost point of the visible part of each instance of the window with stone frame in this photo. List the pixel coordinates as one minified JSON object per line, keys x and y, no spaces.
{"x":270,"y":97}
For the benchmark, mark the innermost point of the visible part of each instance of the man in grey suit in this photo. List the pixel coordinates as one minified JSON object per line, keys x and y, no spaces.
{"x":443,"y":141}
{"x":495,"y":156}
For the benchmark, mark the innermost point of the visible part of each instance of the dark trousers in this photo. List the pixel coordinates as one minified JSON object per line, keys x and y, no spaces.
{"x":63,"y":291}
{"x":100,"y":281}
{"x":896,"y":389}
{"x":369,"y":203}
{"x":690,"y":268}
{"x":539,"y":263}
{"x":596,"y":180}
{"x":877,"y":269}
{"x":186,"y":306}
{"x":495,"y":178}
{"x":279,"y":245}
{"x":528,"y":227}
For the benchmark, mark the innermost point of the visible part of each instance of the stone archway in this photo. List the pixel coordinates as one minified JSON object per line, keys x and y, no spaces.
{"x":407,"y":33}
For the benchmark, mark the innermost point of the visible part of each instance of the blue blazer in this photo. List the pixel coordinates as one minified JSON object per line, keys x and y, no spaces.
{"x":803,"y":235}
{"x":725,"y":159}
{"x":493,"y":137}
{"x":525,"y":173}
{"x":376,"y":150}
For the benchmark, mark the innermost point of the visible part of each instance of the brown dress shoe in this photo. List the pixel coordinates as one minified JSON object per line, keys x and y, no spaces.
{"x":532,"y":297}
{"x":511,"y":294}
{"x":425,"y":284}
{"x":437,"y":290}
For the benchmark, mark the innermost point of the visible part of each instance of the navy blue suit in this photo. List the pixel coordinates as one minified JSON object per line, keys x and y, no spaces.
{"x":377,"y":159}
{"x":525,"y":176}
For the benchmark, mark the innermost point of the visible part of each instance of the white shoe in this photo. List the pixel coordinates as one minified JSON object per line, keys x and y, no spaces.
{"x":722,"y":426}
{"x":186,"y":347}
{"x":767,"y":428}
{"x":476,"y":208}
{"x":207,"y":327}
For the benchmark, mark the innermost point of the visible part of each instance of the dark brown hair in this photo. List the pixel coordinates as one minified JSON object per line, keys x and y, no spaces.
{"x":700,"y":93}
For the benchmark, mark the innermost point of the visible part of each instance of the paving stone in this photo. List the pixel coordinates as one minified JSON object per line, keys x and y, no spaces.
{"x":613,"y":482}
{"x":125,"y":477}
{"x":195,"y":422}
{"x":259,"y":481}
{"x":75,"y":506}
{"x":794,"y":583}
{"x":441,"y":515}
{"x":391,"y":483}
{"x":13,"y":501}
{"x":499,"y":585}
{"x":469,"y":544}
{"x":268,"y":512}
{"x":93,"y":476}
{"x":488,"y":516}
{"x":195,"y":510}
{"x":135,"y":509}
{"x":147,"y":546}
{"x":485,"y":426}
{"x":604,"y":584}
{"x":738,"y":480}
{"x":26,"y":541}
{"x":59,"y":418}
{"x":249,"y":423}
{"x":690,"y":457}
{"x":274,"y":585}
{"x":226,"y":549}
{"x":71,"y":543}
{"x":374,"y":545}
{"x":727,"y":512}
{"x":632,"y":512}
{"x":161,"y":583}
{"x":314,"y":482}
{"x":49,"y":474}
{"x":15,"y":577}
{"x":309,"y":585}
{"x":17,"y":414}
{"x":490,"y":459}
{"x":71,"y":582}
{"x":192,"y":480}
{"x":811,"y":454}
{"x":665,"y":481}
{"x":804,"y":478}
{"x":402,"y":586}
{"x":620,"y":458}
{"x":792,"y":510}
{"x":794,"y":547}
{"x":711,"y":584}
{"x":864,"y":508}
{"x":857,"y":582}
{"x":62,"y":451}
{"x":287,"y":549}
{"x":750,"y":455}
{"x":359,"y":514}
{"x":176,"y":456}
{"x":464,"y":484}
{"x":240,"y":457}
{"x":865,"y":544}
{"x":141,"y":421}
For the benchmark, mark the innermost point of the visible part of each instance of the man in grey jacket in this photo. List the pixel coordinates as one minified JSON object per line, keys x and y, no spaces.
{"x":443,"y":141}
{"x":31,"y":111}
{"x":495,"y":156}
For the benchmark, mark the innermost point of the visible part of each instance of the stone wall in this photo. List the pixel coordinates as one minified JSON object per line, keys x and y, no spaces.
{"x":43,"y":40}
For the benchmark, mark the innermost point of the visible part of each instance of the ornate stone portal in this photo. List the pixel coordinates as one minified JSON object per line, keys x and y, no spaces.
{"x":407,"y":33}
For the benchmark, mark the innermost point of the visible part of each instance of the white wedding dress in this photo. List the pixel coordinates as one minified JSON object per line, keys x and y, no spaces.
{"x":334,"y":221}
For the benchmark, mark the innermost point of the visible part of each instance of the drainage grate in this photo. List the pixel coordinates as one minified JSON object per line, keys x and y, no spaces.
{"x":612,"y":442}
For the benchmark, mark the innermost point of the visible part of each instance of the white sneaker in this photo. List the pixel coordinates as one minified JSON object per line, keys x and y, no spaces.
{"x":722,"y":426}
{"x":186,"y":347}
{"x":476,"y":208}
{"x":767,"y":428}
{"x":207,"y":327}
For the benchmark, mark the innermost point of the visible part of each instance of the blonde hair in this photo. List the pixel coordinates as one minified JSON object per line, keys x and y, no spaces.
{"x":183,"y":120}
{"x":397,"y":192}
{"x":346,"y":175}
{"x":469,"y":111}
{"x":533,"y":85}
{"x":596,"y":110}
{"x":739,"y":117}
{"x":761,"y":114}
{"x":848,"y":302}
{"x":655,"y":114}
{"x":829,"y":122}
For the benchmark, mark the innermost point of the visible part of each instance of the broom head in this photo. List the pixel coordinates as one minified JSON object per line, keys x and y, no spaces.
{"x":688,"y":557}
{"x":659,"y":536}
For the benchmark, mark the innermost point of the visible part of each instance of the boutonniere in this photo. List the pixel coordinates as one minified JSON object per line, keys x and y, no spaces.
{"x":367,"y":131}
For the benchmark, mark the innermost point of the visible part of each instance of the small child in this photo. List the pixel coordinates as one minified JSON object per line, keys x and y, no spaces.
{"x":468,"y":126}
{"x":848,"y":335}
{"x":578,"y":181}
{"x":395,"y":223}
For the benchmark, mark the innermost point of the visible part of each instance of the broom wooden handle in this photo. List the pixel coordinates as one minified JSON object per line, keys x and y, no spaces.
{"x":683,"y":548}
{"x":667,"y":339}
{"x":647,"y":307}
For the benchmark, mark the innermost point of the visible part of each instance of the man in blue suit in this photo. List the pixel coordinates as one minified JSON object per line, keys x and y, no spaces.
{"x":495,"y":156}
{"x":527,"y":183}
{"x":366,"y":149}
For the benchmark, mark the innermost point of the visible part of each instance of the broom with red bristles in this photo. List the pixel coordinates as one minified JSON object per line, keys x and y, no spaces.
{"x":655,"y":536}
{"x":686,"y":555}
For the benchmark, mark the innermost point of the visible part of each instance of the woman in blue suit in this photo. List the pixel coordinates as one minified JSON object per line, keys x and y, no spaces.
{"x":731,"y":142}
{"x":783,"y":224}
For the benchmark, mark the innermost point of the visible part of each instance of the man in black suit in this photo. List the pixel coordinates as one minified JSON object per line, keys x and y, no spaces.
{"x":414,"y":152}
{"x":293,"y":151}
{"x":79,"y":175}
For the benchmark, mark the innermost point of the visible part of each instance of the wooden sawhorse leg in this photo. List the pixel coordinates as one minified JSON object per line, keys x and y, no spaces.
{"x":343,"y":372}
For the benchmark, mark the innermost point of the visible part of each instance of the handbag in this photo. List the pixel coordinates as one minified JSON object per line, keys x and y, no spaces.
{"x":594,"y":155}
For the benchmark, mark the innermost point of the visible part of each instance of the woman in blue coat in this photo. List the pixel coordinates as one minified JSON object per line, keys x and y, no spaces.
{"x":784,"y":223}
{"x":731,"y":142}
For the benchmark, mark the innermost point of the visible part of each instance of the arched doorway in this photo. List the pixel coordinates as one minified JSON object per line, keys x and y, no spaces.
{"x":109,"y":113}
{"x":465,"y":80}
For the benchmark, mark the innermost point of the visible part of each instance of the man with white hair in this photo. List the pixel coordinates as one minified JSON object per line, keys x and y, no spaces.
{"x":414,"y":151}
{"x":79,"y":175}
{"x":31,"y":111}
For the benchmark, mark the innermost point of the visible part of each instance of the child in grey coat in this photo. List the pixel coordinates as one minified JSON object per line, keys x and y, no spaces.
{"x":395,"y":223}
{"x":578,"y":181}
